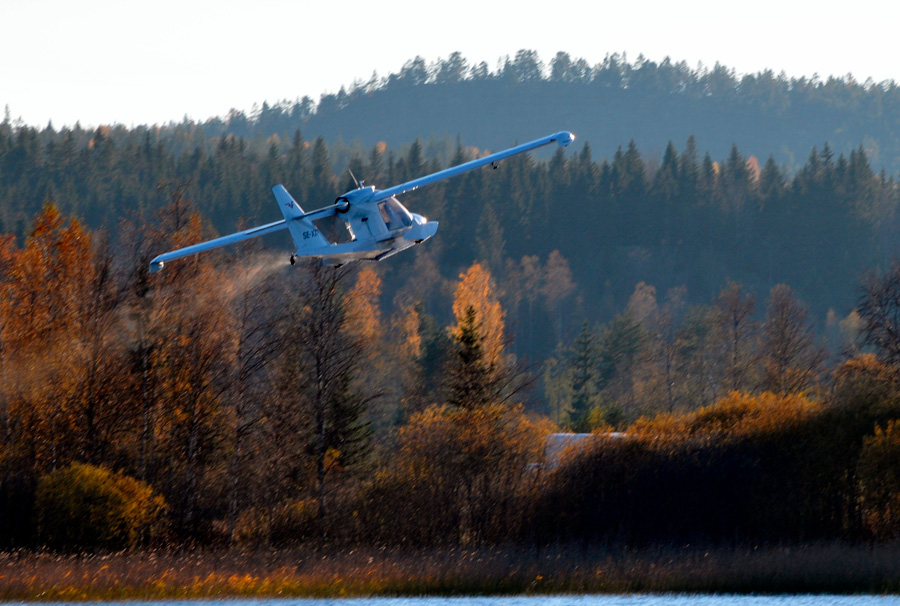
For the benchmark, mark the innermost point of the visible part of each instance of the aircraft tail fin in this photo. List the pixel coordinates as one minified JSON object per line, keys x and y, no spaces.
{"x":289,"y":207}
{"x":305,"y":235}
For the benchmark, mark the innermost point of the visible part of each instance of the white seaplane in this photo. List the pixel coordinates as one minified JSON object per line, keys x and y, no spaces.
{"x":363,"y":224}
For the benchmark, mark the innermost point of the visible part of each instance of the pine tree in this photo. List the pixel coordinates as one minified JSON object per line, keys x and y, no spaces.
{"x":666,"y":190}
{"x":490,"y":245}
{"x":374,"y":174}
{"x":476,"y":290}
{"x":584,"y":362}
{"x":322,"y":184}
{"x":431,"y":350}
{"x":470,"y":380}
{"x":479,"y":373}
{"x":297,"y":166}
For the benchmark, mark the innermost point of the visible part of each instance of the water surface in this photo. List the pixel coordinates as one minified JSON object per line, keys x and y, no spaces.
{"x":626,"y":600}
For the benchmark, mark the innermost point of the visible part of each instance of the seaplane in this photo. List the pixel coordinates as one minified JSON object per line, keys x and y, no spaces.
{"x":364,"y":224}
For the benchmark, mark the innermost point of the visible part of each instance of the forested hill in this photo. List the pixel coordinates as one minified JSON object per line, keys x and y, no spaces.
{"x":591,"y":225}
{"x":609,"y":104}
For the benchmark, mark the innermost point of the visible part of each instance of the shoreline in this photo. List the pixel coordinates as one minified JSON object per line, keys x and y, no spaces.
{"x":833,"y":568}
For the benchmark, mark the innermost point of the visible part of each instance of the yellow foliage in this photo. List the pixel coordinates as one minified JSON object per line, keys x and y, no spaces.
{"x":476,"y":290}
{"x":48,"y":281}
{"x":864,"y":381}
{"x":457,"y":442}
{"x":865,"y":366}
{"x":753,"y":167}
{"x":410,"y":338}
{"x":57,"y":344}
{"x":363,"y":312}
{"x":86,"y":506}
{"x":736,"y":415}
{"x":457,"y":464}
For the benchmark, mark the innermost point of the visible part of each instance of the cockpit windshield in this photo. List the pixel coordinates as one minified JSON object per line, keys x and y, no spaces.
{"x":394,"y":215}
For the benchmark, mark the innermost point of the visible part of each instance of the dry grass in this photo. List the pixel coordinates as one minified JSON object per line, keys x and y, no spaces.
{"x":833,"y":568}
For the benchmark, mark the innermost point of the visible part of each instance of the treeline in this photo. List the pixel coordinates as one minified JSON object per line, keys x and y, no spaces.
{"x":751,"y":469}
{"x":569,"y":233}
{"x":237,"y":400}
{"x":671,"y":357}
{"x":607,"y":103}
{"x":610,"y":102}
{"x":232,"y":400}
{"x":731,"y":430}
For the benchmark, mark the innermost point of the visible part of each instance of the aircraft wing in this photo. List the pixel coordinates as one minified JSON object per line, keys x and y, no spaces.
{"x":562,"y":137}
{"x":157,"y":263}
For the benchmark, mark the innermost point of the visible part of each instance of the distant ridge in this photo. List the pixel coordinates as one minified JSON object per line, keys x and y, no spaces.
{"x":608,"y":104}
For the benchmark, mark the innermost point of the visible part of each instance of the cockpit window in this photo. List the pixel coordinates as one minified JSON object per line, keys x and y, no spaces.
{"x":394,"y":215}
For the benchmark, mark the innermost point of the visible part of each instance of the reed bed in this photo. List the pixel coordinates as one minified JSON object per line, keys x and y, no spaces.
{"x":152,"y":575}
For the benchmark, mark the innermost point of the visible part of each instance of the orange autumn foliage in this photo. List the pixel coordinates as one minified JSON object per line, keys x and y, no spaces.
{"x":476,"y":289}
{"x":737,"y":415}
{"x":363,"y":309}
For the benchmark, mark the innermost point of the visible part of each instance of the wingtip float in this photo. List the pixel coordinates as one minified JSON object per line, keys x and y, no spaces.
{"x":363,"y":224}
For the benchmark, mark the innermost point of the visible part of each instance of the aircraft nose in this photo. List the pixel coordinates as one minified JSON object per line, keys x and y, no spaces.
{"x":418,"y":233}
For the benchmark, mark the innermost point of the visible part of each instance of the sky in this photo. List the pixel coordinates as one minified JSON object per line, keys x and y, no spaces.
{"x":130,"y":62}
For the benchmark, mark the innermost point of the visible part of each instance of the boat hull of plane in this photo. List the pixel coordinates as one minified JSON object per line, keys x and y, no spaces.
{"x":339,"y":254}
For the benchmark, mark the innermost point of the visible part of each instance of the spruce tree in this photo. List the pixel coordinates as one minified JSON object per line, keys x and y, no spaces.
{"x":585,"y":363}
{"x":469,"y":377}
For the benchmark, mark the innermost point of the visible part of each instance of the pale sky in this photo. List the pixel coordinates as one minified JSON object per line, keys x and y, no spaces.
{"x":128,"y":62}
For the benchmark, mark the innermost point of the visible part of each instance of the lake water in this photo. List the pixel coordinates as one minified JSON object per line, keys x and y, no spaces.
{"x":628,"y":600}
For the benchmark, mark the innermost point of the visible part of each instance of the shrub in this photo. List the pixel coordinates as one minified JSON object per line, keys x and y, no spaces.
{"x":764,"y":467}
{"x":294,"y":522}
{"x":455,"y":478}
{"x":878,"y":473}
{"x":290,"y":523}
{"x":88,"y":507}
